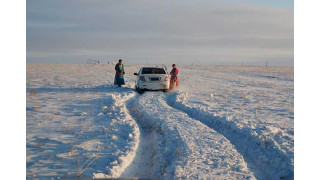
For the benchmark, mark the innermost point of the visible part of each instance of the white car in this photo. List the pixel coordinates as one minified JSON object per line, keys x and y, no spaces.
{"x":152,"y":78}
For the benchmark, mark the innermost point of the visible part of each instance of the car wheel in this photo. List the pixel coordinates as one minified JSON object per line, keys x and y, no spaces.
{"x":140,"y":91}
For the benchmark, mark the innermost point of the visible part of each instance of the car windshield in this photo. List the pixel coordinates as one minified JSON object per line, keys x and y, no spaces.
{"x":153,"y":71}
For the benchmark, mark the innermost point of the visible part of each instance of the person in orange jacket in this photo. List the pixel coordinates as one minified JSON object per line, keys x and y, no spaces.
{"x":174,"y":77}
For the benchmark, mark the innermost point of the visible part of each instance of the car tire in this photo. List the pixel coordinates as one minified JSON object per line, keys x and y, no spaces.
{"x":140,"y":91}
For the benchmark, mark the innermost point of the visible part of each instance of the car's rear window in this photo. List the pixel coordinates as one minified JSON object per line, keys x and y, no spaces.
{"x":153,"y":71}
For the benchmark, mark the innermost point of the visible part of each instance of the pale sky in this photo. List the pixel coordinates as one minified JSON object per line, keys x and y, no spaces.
{"x":161,"y":31}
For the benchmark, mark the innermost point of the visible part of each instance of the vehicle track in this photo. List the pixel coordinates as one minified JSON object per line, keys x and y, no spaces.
{"x":142,"y":165}
{"x":248,"y":146}
{"x":183,"y":147}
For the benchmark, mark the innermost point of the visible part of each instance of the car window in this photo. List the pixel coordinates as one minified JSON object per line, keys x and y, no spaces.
{"x":153,"y":71}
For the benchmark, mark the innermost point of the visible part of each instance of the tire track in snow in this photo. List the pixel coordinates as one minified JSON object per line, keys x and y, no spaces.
{"x":142,"y":165}
{"x":123,"y":161}
{"x":259,"y":160}
{"x":184,"y":147}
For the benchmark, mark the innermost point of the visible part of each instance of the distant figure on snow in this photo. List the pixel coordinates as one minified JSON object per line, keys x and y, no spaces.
{"x":174,"y":77}
{"x":119,"y":79}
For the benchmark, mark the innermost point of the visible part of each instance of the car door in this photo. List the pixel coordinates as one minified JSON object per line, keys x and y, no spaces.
{"x":137,"y":78}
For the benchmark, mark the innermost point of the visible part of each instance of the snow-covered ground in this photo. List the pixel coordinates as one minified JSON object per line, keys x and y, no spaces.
{"x":223,"y":122}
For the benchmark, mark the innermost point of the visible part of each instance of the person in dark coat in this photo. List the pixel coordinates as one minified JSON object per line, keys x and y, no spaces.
{"x":119,"y":79}
{"x":174,"y":77}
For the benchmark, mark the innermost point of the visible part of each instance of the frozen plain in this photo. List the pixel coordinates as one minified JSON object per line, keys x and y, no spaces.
{"x":223,"y":122}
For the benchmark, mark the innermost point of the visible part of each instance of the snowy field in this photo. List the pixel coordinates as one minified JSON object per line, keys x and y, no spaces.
{"x":223,"y":122}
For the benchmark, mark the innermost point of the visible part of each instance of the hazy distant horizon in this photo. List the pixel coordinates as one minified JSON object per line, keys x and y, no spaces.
{"x":168,"y":64}
{"x":229,"y":32}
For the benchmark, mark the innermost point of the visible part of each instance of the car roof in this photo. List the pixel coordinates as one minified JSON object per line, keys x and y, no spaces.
{"x":153,"y":67}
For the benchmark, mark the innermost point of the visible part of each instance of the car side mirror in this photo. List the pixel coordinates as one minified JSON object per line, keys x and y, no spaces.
{"x":136,"y":74}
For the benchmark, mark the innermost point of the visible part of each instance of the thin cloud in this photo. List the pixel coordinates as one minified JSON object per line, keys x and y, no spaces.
{"x":158,"y":31}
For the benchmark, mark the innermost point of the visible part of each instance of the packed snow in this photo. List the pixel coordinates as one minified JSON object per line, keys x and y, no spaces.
{"x":222,"y":122}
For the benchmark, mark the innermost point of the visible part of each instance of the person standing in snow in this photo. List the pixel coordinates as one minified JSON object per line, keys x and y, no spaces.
{"x":174,"y":77}
{"x":119,"y":79}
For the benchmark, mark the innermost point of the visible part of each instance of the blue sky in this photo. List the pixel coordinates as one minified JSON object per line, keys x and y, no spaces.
{"x":149,"y":31}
